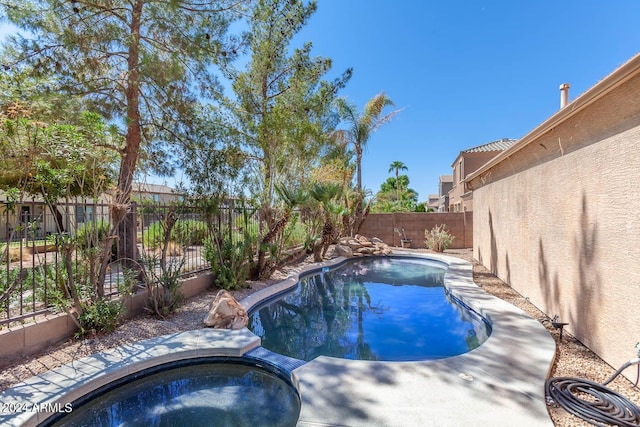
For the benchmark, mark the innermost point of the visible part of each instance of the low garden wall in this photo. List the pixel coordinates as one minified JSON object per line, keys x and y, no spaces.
{"x":32,"y":337}
{"x":382,"y":226}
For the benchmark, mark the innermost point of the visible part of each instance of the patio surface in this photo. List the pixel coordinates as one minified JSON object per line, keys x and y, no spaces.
{"x":500,"y":383}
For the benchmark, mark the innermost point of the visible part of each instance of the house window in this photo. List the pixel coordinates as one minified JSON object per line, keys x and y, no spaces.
{"x":25,"y":214}
{"x":460,"y":171}
{"x":84,"y":214}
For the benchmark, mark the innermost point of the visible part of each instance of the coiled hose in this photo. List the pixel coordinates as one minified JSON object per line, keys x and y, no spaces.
{"x":594,"y":402}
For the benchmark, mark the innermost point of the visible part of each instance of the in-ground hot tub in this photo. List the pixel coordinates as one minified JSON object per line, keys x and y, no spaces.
{"x":210,"y":391}
{"x":388,"y":309}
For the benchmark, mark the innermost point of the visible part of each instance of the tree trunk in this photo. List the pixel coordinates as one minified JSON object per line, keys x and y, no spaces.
{"x":127,"y":249}
{"x":261,"y":270}
{"x":57,"y":215}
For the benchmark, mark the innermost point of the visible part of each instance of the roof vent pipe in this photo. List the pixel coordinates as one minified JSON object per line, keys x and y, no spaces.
{"x":564,"y":94}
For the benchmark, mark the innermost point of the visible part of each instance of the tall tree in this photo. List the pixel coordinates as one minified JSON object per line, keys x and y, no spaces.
{"x":360,"y":127}
{"x":387,"y":199}
{"x":142,"y":63}
{"x":397,"y":166}
{"x":283,"y":107}
{"x":55,"y":161}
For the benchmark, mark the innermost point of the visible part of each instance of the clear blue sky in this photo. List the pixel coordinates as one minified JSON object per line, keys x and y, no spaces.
{"x":466,"y":72}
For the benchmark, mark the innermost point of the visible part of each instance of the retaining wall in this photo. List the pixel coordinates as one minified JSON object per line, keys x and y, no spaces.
{"x":30,"y":338}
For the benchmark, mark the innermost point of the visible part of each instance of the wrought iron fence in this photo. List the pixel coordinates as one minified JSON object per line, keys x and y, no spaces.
{"x":32,"y":271}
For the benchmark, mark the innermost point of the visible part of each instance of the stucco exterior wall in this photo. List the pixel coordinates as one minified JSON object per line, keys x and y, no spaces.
{"x":559,"y":221}
{"x":382,"y":225}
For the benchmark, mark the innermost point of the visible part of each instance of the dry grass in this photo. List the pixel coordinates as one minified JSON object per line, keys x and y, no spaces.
{"x":572,"y":358}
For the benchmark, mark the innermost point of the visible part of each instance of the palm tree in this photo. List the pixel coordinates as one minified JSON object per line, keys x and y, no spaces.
{"x":360,"y":128}
{"x":362,"y":125}
{"x":325,"y":193}
{"x":291,"y":197}
{"x":397,"y":166}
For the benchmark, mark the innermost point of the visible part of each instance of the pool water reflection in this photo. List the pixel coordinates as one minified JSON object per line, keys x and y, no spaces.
{"x":390,"y":309}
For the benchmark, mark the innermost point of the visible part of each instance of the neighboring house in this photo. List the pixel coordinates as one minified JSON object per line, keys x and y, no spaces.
{"x":556,"y":215}
{"x":157,"y":193}
{"x":432,"y":203}
{"x":467,"y":162}
{"x":445,"y":184}
{"x":35,"y":219}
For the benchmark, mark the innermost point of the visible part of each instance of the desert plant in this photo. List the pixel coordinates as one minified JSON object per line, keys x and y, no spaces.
{"x":230,"y":261}
{"x":102,"y":315}
{"x":188,"y":232}
{"x":162,"y":275}
{"x":438,"y":238}
{"x":163,"y":284}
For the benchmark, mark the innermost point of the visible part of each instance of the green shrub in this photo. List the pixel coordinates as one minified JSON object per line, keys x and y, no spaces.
{"x":438,"y":238}
{"x":90,"y":234}
{"x":163,"y":285}
{"x":295,"y":233}
{"x":153,"y":236}
{"x":185,"y":233}
{"x":230,"y":261}
{"x":189,"y":232}
{"x":100,"y":316}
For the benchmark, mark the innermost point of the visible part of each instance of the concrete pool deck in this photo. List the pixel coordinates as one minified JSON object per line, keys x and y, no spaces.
{"x":500,"y":383}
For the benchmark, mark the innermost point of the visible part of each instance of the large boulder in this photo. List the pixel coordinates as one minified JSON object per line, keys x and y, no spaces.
{"x":361,"y":246}
{"x":226,"y":313}
{"x":343,"y":250}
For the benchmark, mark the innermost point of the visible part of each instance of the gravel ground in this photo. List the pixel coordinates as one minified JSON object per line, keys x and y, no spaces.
{"x":572,"y":358}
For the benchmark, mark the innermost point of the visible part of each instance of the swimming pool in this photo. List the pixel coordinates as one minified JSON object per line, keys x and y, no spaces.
{"x":506,"y":372}
{"x":389,"y":309}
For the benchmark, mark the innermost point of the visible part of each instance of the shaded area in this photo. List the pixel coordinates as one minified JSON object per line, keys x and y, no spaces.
{"x":223,"y":394}
{"x":580,"y":309}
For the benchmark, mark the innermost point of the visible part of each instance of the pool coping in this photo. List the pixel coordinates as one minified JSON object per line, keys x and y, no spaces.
{"x":63,"y":385}
{"x":499,"y":383}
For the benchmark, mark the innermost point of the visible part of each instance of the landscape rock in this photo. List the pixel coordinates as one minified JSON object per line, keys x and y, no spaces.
{"x":361,"y":246}
{"x":342,"y":250}
{"x":226,"y":313}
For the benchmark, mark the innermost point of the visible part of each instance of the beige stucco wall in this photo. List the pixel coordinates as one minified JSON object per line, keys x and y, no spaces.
{"x":414,"y":224}
{"x":559,"y":221}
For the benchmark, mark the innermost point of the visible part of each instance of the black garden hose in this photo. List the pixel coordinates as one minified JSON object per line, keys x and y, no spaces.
{"x":593,"y":402}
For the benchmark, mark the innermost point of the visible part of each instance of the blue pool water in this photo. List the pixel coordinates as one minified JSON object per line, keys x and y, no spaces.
{"x":195,"y":394}
{"x":388,"y":309}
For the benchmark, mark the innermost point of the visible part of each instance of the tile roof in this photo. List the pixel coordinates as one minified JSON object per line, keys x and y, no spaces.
{"x":152,"y":188}
{"x":499,"y":145}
